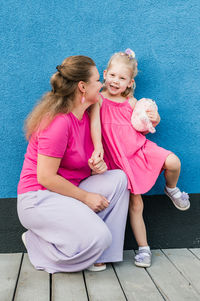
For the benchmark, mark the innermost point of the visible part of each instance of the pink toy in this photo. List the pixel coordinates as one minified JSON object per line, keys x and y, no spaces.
{"x":139,"y":118}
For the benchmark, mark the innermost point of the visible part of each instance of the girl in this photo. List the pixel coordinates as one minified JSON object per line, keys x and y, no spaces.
{"x":128,"y":149}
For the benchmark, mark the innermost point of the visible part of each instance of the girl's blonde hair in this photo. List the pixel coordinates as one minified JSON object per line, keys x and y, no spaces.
{"x":130,"y":62}
{"x":64,"y":86}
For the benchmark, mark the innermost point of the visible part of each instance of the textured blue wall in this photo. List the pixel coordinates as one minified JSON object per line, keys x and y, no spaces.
{"x":38,"y":35}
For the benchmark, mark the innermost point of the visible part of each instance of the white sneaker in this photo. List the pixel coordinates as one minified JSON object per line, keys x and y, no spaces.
{"x":24,"y":239}
{"x":181,"y":203}
{"x":143,"y":258}
{"x":97,"y":268}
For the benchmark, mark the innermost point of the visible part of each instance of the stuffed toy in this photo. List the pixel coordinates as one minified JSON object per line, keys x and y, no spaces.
{"x":139,"y":118}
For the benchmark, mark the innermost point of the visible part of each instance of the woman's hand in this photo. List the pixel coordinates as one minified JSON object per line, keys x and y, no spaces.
{"x":96,"y":202}
{"x":97,"y":166}
{"x":153,"y":116}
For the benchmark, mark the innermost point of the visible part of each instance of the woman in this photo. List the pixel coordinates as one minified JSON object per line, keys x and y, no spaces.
{"x":73,"y":219}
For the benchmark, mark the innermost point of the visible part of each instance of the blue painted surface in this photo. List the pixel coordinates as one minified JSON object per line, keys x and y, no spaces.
{"x":38,"y":35}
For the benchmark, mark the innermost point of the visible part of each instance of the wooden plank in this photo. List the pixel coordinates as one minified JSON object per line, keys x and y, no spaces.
{"x":103,"y":286}
{"x":9,"y":268}
{"x":135,"y":281}
{"x":187,"y":264}
{"x":68,"y":286}
{"x":169,"y":280}
{"x":32,"y":285}
{"x":196,"y":252}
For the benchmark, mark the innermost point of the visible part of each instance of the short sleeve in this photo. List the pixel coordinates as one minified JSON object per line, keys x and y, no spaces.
{"x":53,"y":140}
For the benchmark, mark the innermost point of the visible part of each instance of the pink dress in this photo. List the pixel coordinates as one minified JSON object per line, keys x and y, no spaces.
{"x":125,"y":148}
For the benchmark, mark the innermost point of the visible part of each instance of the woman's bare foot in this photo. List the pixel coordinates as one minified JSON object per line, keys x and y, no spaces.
{"x":98,"y":264}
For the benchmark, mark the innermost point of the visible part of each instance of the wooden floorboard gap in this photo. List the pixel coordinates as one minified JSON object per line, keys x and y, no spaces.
{"x":13,"y":298}
{"x":162,"y":294}
{"x":50,"y":287}
{"x":119,"y":282}
{"x":85,"y":286}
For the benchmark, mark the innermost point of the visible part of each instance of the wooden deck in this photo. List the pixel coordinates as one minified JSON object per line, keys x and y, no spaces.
{"x":174,"y":275}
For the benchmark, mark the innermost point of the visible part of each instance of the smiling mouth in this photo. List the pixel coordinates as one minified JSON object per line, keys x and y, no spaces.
{"x":114,"y":87}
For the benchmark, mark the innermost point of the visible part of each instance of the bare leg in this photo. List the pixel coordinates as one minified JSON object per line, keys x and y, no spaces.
{"x":172,"y":168}
{"x":136,"y":219}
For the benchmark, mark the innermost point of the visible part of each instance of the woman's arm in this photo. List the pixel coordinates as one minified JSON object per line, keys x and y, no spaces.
{"x":96,"y":131}
{"x":47,"y":176}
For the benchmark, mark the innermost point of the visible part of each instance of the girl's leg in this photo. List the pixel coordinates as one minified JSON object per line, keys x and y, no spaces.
{"x":172,"y":167}
{"x":136,"y":219}
{"x":143,"y":257}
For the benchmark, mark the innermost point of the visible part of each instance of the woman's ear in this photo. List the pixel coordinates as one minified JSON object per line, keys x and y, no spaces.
{"x":131,"y":83}
{"x":104,"y":74}
{"x":81,"y":86}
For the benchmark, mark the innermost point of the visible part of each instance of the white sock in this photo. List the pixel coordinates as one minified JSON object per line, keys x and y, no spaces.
{"x":145,"y":248}
{"x":176,"y":195}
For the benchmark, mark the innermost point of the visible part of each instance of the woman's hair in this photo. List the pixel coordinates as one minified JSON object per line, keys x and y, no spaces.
{"x":64,"y":86}
{"x":130,"y":62}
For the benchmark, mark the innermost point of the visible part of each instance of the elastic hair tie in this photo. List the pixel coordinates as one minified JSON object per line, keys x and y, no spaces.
{"x":130,"y":53}
{"x":58,"y":68}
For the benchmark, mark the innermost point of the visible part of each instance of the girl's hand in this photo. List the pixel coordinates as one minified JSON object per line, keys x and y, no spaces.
{"x":98,"y":153}
{"x":97,"y":166}
{"x":96,"y":202}
{"x":153,"y":116}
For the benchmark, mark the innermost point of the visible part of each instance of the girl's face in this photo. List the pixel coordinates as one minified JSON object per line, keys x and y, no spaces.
{"x":117,"y":78}
{"x":93,"y":86}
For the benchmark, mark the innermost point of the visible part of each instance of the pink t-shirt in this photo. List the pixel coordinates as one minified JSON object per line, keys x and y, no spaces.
{"x":66,"y":137}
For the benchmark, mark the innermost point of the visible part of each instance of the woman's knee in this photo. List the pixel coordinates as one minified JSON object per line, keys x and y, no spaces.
{"x":120,"y":178}
{"x":172,"y":163}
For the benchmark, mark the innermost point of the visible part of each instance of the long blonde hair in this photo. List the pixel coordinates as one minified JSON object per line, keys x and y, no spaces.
{"x":64,"y":86}
{"x":131,"y":63}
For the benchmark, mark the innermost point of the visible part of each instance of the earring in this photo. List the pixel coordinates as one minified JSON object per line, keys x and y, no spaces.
{"x":83,"y":98}
{"x":134,"y":85}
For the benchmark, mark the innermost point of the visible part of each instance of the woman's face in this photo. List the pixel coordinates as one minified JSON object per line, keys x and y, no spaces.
{"x":93,"y":86}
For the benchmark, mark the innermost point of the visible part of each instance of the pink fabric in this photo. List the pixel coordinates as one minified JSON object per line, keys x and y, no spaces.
{"x":129,"y":150}
{"x":67,"y":138}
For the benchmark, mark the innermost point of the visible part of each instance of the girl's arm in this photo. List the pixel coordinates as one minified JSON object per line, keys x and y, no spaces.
{"x":132,"y":101}
{"x":47,"y":176}
{"x":96,"y":132}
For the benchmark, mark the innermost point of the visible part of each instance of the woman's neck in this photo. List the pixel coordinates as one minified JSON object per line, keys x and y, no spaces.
{"x":78,"y":109}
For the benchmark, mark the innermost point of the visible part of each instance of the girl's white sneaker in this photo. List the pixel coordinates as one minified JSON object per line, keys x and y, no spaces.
{"x":182,"y":202}
{"x":143,"y":258}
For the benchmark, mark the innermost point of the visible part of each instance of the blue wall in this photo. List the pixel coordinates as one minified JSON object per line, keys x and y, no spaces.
{"x":37,"y":35}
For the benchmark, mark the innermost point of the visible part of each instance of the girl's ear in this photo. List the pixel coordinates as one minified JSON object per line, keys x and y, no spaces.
{"x":104,"y":74}
{"x":131,"y":83}
{"x":81,"y":86}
